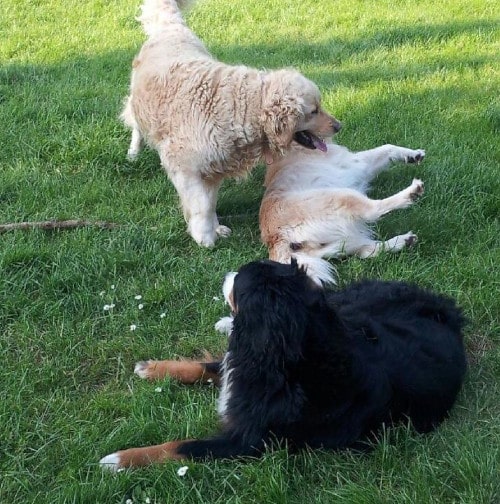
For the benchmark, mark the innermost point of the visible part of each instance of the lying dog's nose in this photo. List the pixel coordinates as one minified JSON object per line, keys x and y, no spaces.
{"x":337,"y":126}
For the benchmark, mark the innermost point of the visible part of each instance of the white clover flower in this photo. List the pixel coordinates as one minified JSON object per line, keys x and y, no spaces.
{"x":216,"y":298}
{"x":163,"y":315}
{"x":102,"y":293}
{"x":158,"y":389}
{"x":182,"y":471}
{"x":138,"y":297}
{"x":147,"y":500}
{"x":113,"y":287}
{"x":106,"y":307}
{"x":133,"y":327}
{"x":111,"y":306}
{"x":129,"y":501}
{"x":141,"y":306}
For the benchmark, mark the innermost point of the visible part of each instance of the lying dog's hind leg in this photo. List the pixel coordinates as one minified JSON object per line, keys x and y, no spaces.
{"x":195,"y":449}
{"x":395,"y":244}
{"x":371,"y":210}
{"x":187,"y":372}
{"x":143,"y":456}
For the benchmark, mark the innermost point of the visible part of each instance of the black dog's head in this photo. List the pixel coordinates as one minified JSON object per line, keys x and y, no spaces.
{"x":271,"y":303}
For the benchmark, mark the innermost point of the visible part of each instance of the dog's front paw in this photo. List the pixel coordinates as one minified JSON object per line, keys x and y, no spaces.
{"x":146,"y":369}
{"x":416,"y":156}
{"x":224,"y":325}
{"x":111,"y":462}
{"x":416,"y":189}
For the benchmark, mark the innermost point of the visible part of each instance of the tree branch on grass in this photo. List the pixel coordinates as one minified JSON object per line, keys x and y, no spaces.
{"x":56,"y":224}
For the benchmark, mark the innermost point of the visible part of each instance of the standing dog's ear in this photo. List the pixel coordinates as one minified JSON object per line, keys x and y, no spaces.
{"x":279,"y":119}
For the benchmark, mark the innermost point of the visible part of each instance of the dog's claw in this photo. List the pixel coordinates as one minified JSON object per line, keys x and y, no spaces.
{"x":417,"y":189}
{"x":410,"y":240}
{"x":417,"y":158}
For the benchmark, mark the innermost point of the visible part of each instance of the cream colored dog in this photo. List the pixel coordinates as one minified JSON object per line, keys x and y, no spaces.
{"x":209,"y":120}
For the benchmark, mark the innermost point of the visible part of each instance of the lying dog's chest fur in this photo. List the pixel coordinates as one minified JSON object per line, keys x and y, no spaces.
{"x":225,"y":389}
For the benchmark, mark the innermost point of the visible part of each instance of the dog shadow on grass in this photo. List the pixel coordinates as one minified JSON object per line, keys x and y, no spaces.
{"x":65,"y":115}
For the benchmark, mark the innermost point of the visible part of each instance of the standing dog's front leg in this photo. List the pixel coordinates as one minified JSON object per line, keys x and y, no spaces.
{"x":198,"y":199}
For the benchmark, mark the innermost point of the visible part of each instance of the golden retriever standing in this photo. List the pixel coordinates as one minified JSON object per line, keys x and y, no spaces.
{"x":315,"y":205}
{"x":209,"y":120}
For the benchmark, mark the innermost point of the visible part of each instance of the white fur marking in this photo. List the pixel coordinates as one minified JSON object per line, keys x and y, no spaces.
{"x":224,"y":325}
{"x":140,"y":369}
{"x":225,"y":389}
{"x":111,"y":462}
{"x":227,"y":287}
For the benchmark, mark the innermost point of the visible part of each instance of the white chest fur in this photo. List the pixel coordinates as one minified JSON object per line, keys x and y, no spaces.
{"x":225,"y":389}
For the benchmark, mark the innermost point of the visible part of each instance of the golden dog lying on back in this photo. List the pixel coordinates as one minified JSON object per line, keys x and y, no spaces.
{"x":315,"y":205}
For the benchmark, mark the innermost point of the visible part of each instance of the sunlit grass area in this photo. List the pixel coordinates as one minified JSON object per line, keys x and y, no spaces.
{"x":422,"y":74}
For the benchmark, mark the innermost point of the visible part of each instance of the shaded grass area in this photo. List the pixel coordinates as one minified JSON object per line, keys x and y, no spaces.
{"x":423,"y":75}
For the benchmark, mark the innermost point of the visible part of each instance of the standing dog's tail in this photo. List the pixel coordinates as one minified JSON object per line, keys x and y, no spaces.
{"x":156,"y":15}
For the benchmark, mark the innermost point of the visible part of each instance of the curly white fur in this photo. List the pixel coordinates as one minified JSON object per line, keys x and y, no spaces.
{"x":209,"y":120}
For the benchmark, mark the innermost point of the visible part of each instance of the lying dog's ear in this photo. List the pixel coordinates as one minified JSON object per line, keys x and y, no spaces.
{"x":272,"y":317}
{"x":280,"y":118}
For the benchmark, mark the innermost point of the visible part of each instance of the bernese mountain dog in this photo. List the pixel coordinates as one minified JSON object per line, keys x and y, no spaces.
{"x":312,"y":367}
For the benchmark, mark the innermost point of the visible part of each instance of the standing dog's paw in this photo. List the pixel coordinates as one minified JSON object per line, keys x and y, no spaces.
{"x":132,"y":155}
{"x":416,"y":157}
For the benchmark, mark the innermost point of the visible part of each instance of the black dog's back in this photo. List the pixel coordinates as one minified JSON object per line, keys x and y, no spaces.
{"x":409,"y":338}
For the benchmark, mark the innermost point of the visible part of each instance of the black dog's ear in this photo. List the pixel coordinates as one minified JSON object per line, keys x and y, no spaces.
{"x":270,"y":327}
{"x":272,"y":316}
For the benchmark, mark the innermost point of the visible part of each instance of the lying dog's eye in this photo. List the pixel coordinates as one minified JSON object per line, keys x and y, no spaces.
{"x":315,"y":111}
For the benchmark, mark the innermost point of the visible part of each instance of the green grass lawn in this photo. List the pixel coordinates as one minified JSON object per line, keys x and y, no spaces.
{"x":422,"y":74}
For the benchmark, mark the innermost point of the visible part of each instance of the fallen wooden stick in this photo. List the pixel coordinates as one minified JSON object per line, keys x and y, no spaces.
{"x":56,"y":224}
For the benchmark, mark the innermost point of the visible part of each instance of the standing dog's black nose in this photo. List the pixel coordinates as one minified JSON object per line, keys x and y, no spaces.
{"x":337,"y":126}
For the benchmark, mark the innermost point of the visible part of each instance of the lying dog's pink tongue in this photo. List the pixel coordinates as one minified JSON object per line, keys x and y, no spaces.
{"x":318,"y":143}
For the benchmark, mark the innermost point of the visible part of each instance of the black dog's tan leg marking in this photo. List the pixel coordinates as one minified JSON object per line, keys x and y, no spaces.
{"x":139,"y":457}
{"x":185,"y":371}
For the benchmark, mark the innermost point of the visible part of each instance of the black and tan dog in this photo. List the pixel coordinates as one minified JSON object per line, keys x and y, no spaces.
{"x":319,"y":368}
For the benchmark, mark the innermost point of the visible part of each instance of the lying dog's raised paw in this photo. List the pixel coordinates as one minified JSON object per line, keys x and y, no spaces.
{"x":417,"y":189}
{"x":416,"y":158}
{"x":410,"y":239}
